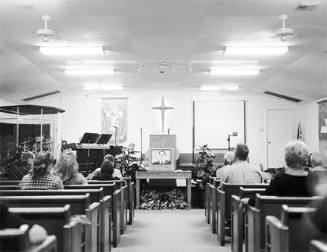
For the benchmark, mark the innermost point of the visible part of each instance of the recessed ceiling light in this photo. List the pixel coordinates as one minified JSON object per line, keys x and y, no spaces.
{"x":71,"y":50}
{"x":103,"y":87}
{"x":220,"y":88}
{"x":256,"y":50}
{"x":90,"y":71}
{"x":234,"y":71}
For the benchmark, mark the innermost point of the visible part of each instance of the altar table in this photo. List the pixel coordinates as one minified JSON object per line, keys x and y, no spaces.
{"x":163,"y":175}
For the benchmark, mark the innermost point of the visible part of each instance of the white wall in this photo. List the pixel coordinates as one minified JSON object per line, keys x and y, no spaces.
{"x":5,"y":103}
{"x":83,"y":113}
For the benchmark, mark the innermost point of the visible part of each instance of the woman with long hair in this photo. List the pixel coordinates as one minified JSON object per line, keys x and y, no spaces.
{"x":39,"y":177}
{"x":67,"y":170}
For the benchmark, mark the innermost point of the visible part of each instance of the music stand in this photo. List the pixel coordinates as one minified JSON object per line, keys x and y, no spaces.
{"x":89,"y":138}
{"x":104,"y":139}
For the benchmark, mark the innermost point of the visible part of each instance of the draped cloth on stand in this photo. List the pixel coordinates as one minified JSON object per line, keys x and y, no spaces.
{"x":114,"y":114}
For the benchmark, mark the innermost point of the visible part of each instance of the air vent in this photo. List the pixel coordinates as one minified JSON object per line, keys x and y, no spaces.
{"x":41,"y":95}
{"x":285,"y":97}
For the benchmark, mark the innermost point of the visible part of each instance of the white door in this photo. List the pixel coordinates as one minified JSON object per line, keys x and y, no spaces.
{"x":279,"y":132}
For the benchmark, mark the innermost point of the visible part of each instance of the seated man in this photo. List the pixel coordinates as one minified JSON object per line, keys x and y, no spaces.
{"x":241,"y":172}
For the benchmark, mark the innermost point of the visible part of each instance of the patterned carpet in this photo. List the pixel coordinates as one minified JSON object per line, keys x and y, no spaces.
{"x":169,"y":230}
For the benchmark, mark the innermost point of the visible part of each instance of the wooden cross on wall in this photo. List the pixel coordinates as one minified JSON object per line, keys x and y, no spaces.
{"x":162,"y":108}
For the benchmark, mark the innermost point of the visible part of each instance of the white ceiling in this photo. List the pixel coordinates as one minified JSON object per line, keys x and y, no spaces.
{"x":184,"y":33}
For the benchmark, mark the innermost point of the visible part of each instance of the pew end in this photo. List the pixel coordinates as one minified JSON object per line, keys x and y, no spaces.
{"x":276,"y":235}
{"x":318,"y":246}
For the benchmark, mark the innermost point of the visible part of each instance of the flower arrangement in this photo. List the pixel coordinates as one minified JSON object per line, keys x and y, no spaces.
{"x":153,"y":200}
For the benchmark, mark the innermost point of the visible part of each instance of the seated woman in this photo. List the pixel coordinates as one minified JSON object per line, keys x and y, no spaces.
{"x":40,"y":178}
{"x":106,"y":171}
{"x":292,"y":182}
{"x":67,"y":169}
{"x":228,"y":161}
{"x":110,"y":158}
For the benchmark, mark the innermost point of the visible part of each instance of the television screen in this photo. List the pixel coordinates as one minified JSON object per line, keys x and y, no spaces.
{"x":161,"y":156}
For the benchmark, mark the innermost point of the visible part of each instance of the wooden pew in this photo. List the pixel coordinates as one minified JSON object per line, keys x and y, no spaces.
{"x":9,"y":182}
{"x":284,"y":235}
{"x":122,"y":185}
{"x":238,"y":216}
{"x":18,"y":240}
{"x":96,"y":195}
{"x":318,"y":246}
{"x":57,"y":222}
{"x":266,"y":205}
{"x":109,"y":190}
{"x":223,"y":206}
{"x":130,"y":201}
{"x":80,"y":204}
{"x":210,"y":206}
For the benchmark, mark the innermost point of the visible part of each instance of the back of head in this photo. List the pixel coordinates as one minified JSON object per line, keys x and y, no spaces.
{"x":66,"y":167}
{"x":106,"y":170}
{"x":109,"y":157}
{"x":42,"y":164}
{"x":229,"y":157}
{"x":296,"y":154}
{"x":241,"y":152}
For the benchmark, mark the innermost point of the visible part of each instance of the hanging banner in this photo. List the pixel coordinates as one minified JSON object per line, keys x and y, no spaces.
{"x":114,"y":119}
{"x":323,"y":126}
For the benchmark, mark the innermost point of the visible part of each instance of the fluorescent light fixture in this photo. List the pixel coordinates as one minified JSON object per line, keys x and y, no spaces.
{"x":90,"y":71}
{"x":220,"y":88}
{"x":234,"y":71}
{"x":256,"y":50}
{"x":226,"y":62}
{"x":103,"y":87}
{"x":70,"y":50}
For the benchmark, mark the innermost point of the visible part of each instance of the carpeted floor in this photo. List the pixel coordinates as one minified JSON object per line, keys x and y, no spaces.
{"x":169,"y":230}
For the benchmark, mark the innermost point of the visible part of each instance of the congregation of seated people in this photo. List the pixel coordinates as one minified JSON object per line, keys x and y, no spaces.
{"x":304,"y":176}
{"x":44,"y":174}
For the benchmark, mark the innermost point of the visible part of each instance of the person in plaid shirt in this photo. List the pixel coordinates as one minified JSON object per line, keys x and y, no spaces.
{"x":40,"y":178}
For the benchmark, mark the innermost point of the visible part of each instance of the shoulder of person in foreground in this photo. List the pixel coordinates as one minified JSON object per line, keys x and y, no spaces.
{"x":95,"y":173}
{"x":117,"y":174}
{"x":80,"y":179}
{"x":57,"y":183}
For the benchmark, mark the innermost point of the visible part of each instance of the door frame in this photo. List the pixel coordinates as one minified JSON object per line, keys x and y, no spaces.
{"x":267,"y":128}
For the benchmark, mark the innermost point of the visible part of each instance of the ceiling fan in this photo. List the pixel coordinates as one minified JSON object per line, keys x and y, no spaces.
{"x":45,"y":34}
{"x":284,"y":33}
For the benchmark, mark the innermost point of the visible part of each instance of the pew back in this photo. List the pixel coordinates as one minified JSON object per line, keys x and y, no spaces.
{"x":14,"y":239}
{"x":56,"y":220}
{"x":224,"y":204}
{"x":238,"y":218}
{"x":95,"y":194}
{"x":267,"y":205}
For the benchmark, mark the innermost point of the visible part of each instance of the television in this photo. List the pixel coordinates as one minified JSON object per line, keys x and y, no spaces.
{"x":161,"y":156}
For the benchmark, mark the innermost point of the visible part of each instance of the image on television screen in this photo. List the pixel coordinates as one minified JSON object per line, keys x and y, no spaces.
{"x":161,"y":156}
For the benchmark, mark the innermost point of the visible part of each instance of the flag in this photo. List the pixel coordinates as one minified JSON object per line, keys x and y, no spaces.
{"x":299,"y":135}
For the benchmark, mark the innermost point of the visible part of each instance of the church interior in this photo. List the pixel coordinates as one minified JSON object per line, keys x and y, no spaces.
{"x":163,"y":125}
